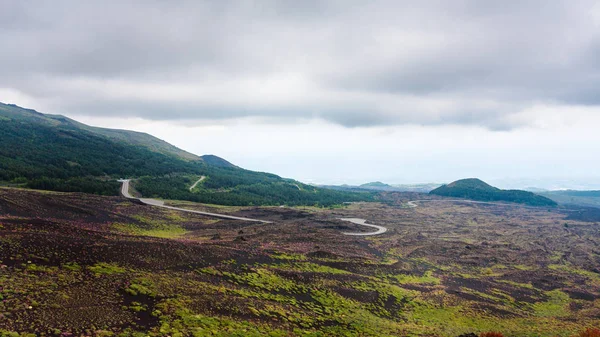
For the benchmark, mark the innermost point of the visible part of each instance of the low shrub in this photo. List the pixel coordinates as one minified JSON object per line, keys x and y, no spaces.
{"x":491,"y":334}
{"x":589,"y":332}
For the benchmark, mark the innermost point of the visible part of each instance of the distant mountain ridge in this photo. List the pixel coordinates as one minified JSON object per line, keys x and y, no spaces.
{"x":574,"y":197}
{"x":379,"y":186}
{"x":475,"y":189}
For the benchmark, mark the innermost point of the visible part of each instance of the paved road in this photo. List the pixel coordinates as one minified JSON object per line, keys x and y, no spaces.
{"x":125,"y":189}
{"x":160,"y":203}
{"x":196,"y":183}
{"x":362,"y":222}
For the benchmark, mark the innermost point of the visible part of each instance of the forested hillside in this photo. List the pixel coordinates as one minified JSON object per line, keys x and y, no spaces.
{"x":56,"y":153}
{"x":16,"y":113}
{"x":227,"y":186}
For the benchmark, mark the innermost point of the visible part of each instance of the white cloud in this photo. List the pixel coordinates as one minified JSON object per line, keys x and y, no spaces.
{"x":331,"y":91}
{"x":350,"y":63}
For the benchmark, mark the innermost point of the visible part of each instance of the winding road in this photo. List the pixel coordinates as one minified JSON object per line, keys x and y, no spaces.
{"x":362,"y":222}
{"x":160,"y":203}
{"x":410,"y":204}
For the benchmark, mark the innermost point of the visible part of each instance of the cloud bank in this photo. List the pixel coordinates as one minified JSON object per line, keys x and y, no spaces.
{"x":353,"y":63}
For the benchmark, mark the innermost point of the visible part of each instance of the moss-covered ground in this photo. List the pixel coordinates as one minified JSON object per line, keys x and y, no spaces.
{"x":74,"y":264}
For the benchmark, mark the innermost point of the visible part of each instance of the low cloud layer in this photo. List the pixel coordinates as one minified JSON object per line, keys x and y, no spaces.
{"x":352,"y":63}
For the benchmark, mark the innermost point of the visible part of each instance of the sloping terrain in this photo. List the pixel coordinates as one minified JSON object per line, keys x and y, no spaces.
{"x":56,"y":153}
{"x":476,"y":189}
{"x":16,"y":113}
{"x":571,"y":197}
{"x":80,"y":264}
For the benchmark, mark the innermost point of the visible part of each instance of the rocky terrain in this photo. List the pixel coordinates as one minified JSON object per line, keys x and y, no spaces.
{"x":75,"y":264}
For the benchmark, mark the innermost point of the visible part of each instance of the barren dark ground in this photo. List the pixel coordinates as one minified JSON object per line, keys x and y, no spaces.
{"x":77,"y":264}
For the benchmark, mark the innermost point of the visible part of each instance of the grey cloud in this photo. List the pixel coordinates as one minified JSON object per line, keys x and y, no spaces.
{"x":350,"y":62}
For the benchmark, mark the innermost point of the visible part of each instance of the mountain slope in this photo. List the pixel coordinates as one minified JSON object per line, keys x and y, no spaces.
{"x":67,"y":159}
{"x":56,"y":153}
{"x":216,"y":161}
{"x":476,"y":189}
{"x":16,"y":113}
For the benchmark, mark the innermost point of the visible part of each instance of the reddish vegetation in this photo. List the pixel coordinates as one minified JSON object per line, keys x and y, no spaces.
{"x":590,"y":332}
{"x":491,"y":334}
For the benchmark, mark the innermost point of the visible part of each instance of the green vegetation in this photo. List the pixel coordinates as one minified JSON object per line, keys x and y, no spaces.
{"x":85,"y":278}
{"x":56,"y":153}
{"x":239,"y":187}
{"x":12,"y":112}
{"x":427,"y":278}
{"x":159,"y":230}
{"x":65,"y":159}
{"x":310,"y":268}
{"x":476,"y":189}
{"x":556,"y":306}
{"x":104,"y":268}
{"x":580,"y":198}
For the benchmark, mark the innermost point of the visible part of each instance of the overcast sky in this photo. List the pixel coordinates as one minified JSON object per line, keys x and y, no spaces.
{"x":327,"y":91}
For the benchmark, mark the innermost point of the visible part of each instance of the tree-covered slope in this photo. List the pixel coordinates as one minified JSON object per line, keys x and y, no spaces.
{"x":216,"y":161}
{"x":234,"y":186}
{"x":16,"y":113}
{"x":51,"y":157}
{"x":56,"y":153}
{"x":476,"y":189}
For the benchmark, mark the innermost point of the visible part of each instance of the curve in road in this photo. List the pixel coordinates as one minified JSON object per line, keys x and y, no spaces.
{"x":160,"y":203}
{"x":362,"y":222}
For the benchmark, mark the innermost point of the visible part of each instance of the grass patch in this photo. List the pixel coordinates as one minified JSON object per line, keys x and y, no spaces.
{"x":104,"y":268}
{"x":555,"y":306}
{"x":427,"y":278}
{"x":310,"y":267}
{"x":288,"y":256}
{"x":141,"y":286}
{"x":158,"y":230}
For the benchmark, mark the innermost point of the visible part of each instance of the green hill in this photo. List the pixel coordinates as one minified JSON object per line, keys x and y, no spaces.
{"x":476,"y":189}
{"x":375,"y":184}
{"x":54,"y":152}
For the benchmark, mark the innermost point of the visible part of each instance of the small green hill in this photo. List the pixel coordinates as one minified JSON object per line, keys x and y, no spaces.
{"x":476,"y":189}
{"x":375,"y":184}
